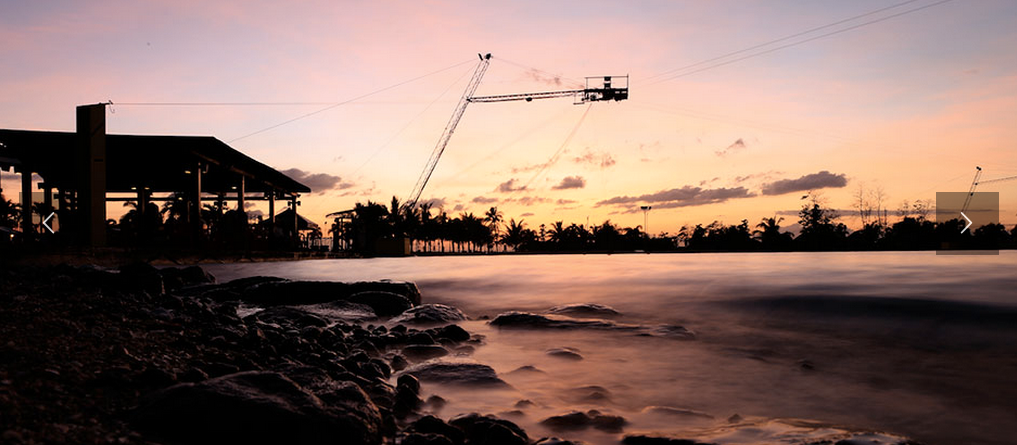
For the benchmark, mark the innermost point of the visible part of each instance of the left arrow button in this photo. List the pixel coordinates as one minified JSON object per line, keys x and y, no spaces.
{"x":45,"y":222}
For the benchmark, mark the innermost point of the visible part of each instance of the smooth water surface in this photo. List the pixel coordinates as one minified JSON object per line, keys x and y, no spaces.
{"x":908,"y":343}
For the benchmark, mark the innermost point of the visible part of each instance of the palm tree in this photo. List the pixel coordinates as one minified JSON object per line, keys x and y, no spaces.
{"x":515,"y":234}
{"x":557,"y":233}
{"x":493,"y":217}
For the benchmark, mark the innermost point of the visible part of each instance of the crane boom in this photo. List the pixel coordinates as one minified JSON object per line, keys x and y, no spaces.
{"x":605,"y":91}
{"x":971,"y":191}
{"x":526,"y":96}
{"x":450,"y":128}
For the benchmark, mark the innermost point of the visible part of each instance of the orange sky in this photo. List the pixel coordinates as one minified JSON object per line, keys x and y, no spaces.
{"x":909,"y":104}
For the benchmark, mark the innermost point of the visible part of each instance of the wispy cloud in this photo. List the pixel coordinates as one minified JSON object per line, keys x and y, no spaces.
{"x":512,"y":185}
{"x":483,"y":200}
{"x":735,"y":146}
{"x":318,"y":182}
{"x":570,"y":182}
{"x":814,"y":181}
{"x":686,"y":196}
{"x":596,"y":159}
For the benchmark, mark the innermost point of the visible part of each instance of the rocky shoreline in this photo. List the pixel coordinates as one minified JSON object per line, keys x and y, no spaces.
{"x":140,"y":355}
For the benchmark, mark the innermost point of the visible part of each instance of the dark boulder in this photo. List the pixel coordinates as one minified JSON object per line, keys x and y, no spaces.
{"x":556,"y":441}
{"x":526,"y":320}
{"x":452,"y":333}
{"x":425,"y":439}
{"x":385,"y":304}
{"x":314,"y":292}
{"x":419,"y":353}
{"x":489,"y":430}
{"x":676,"y":412}
{"x":456,"y":373}
{"x":433,"y":425}
{"x":258,"y":407}
{"x":577,"y":420}
{"x":428,"y":314}
{"x":651,"y":440}
{"x":141,"y":277}
{"x":287,"y":317}
{"x":584,"y":310}
{"x":565,"y":353}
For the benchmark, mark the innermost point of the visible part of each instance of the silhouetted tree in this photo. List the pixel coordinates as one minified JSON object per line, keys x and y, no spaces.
{"x":769,"y":235}
{"x":819,"y":231}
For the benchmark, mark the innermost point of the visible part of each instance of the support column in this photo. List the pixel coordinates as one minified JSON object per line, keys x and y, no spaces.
{"x":91,"y":174}
{"x":26,"y":202}
{"x":296,"y":226}
{"x":240,"y":194}
{"x":271,"y":207}
{"x":196,"y":203}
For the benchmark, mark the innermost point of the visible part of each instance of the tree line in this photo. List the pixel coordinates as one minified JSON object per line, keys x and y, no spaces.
{"x":435,"y":231}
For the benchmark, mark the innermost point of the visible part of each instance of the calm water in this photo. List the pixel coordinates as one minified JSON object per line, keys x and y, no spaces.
{"x":909,"y":343}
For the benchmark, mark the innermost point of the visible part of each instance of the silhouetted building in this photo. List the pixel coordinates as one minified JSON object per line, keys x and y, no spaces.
{"x":84,"y":170}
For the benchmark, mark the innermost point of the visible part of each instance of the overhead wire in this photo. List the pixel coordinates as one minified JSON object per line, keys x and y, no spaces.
{"x":334,"y":105}
{"x":770,"y":42}
{"x":554,"y":158}
{"x":408,"y":123}
{"x":549,"y":74}
{"x":799,"y":42}
{"x":504,"y":147}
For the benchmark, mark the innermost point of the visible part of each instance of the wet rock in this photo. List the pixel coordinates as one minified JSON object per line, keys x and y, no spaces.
{"x":489,"y":430}
{"x":398,"y":363}
{"x":452,"y":333}
{"x":258,"y":408}
{"x":177,"y":278}
{"x":430,"y":314}
{"x":314,"y":292}
{"x":584,"y":310}
{"x":651,"y":440}
{"x":565,"y":353}
{"x":433,"y":425}
{"x":526,"y":320}
{"x":410,"y":382}
{"x":672,"y":331}
{"x":556,"y":441}
{"x":527,"y":370}
{"x":385,"y":304}
{"x":287,"y":316}
{"x":425,"y":439}
{"x":424,"y":352}
{"x":525,"y":403}
{"x":456,"y":373}
{"x":589,"y":394}
{"x":141,"y":277}
{"x":420,"y":338}
{"x":577,"y":420}
{"x":676,"y":412}
{"x":608,"y":423}
{"x":435,"y":403}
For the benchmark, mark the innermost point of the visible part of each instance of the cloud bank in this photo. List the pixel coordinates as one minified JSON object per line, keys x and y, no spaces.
{"x":814,"y":181}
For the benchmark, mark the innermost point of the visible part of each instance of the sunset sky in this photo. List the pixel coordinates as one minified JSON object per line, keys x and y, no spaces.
{"x":907,"y":104}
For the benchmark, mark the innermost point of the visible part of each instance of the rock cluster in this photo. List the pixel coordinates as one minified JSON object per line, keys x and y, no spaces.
{"x":147,"y":355}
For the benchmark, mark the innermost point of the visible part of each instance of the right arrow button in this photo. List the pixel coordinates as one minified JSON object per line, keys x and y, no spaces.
{"x":968,"y":220}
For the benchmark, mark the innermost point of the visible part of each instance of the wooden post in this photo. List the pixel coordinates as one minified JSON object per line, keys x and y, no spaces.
{"x":26,"y":201}
{"x":91,"y":174}
{"x":271,"y":207}
{"x":196,"y":203}
{"x":240,"y":194}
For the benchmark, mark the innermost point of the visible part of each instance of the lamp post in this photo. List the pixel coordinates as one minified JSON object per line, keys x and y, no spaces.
{"x":646,"y":219}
